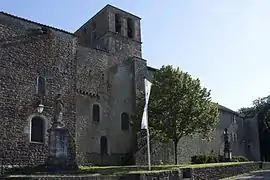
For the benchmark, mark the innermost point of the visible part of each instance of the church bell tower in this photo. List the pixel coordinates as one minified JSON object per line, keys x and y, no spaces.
{"x":112,"y":30}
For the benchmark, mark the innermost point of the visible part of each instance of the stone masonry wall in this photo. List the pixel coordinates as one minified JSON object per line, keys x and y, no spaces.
{"x":124,"y":16}
{"x":219,"y":172}
{"x":85,"y":32}
{"x":252,"y":142}
{"x":25,"y":55}
{"x":204,"y":173}
{"x":92,"y":87}
{"x":107,"y":39}
{"x":105,"y":79}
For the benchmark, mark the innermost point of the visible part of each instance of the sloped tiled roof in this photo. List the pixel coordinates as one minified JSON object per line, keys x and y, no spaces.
{"x":151,"y":69}
{"x":223,"y":108}
{"x":39,"y":24}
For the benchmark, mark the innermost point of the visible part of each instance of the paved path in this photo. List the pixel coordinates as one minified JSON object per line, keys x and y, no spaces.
{"x":254,"y":175}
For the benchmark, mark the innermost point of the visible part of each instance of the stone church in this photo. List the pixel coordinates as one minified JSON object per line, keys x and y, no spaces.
{"x":97,"y":70}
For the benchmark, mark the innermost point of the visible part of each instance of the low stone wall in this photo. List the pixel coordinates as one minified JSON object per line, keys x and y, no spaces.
{"x":168,"y":175}
{"x":55,"y":177}
{"x":205,"y":173}
{"x":219,"y":172}
{"x":265,"y":165}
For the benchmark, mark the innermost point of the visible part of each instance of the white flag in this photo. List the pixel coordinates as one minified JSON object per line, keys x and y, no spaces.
{"x":147,"y":85}
{"x":144,"y":124}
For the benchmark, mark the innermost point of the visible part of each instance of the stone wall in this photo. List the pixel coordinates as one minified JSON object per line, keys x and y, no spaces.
{"x":206,"y":173}
{"x":85,"y":32}
{"x":26,"y":54}
{"x":251,"y":141}
{"x":105,"y":79}
{"x":57,"y":177}
{"x":265,"y":165}
{"x":124,"y":16}
{"x":84,"y":77}
{"x":92,"y":88}
{"x":106,"y":37}
{"x":219,"y":172}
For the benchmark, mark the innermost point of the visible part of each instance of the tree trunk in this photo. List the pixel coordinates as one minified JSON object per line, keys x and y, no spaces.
{"x":175,"y":151}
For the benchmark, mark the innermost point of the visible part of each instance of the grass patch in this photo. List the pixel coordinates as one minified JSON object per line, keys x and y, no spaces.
{"x":214,"y":164}
{"x":118,"y":170}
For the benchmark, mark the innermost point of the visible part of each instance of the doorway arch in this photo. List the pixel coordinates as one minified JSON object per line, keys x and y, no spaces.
{"x":103,"y":145}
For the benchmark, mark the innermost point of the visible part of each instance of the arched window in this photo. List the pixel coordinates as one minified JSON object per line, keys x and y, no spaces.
{"x":37,"y":130}
{"x":41,"y":90}
{"x":124,"y":121}
{"x":103,"y":145}
{"x":96,"y":113}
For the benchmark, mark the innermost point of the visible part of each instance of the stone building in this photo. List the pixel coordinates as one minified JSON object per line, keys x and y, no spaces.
{"x":36,"y":63}
{"x":97,"y":70}
{"x":243,"y":137}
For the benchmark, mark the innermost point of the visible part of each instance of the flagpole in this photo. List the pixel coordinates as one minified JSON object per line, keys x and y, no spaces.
{"x":148,"y":149}
{"x":144,"y":124}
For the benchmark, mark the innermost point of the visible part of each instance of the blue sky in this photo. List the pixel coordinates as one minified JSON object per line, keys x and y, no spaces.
{"x":223,"y":42}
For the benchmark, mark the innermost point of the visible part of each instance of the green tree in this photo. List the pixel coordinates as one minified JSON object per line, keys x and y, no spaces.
{"x":246,"y":110}
{"x":178,"y":106}
{"x":262,"y":107}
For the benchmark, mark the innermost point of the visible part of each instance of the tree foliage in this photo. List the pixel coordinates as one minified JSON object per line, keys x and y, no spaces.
{"x":178,"y":106}
{"x":261,"y":107}
{"x":246,"y":110}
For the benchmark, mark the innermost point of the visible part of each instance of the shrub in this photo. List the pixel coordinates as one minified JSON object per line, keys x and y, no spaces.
{"x":212,"y":159}
{"x":202,"y":159}
{"x":221,"y":158}
{"x":194,"y":159}
{"x":239,"y":159}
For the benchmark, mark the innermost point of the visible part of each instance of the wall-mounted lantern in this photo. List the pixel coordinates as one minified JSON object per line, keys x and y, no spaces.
{"x":40,"y":108}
